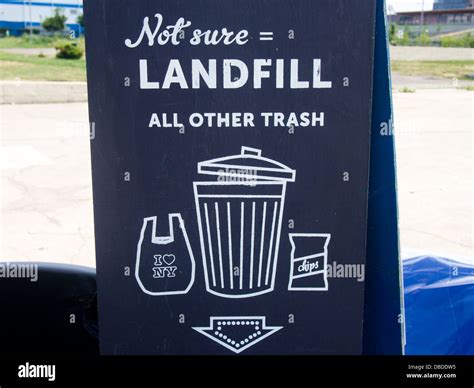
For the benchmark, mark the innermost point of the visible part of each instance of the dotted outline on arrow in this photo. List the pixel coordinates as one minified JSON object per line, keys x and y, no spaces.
{"x":205,"y":331}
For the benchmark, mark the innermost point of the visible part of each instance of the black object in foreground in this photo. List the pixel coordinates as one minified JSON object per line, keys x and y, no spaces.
{"x":48,"y":309}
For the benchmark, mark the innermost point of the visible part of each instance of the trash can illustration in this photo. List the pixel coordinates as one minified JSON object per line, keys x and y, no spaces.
{"x":239,"y":218}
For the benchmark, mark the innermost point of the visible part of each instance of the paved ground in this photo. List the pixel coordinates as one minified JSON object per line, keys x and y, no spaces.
{"x":41,"y":92}
{"x":434,"y":138}
{"x":46,"y":185}
{"x":401,"y":81}
{"x":405,"y":53}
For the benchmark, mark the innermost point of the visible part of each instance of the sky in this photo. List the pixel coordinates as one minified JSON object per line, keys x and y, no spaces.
{"x":410,"y":5}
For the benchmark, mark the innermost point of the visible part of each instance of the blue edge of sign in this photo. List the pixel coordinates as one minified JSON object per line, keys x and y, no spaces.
{"x":383,"y":322}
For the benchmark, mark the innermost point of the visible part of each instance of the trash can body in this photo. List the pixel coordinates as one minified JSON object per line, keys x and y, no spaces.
{"x":239,"y":217}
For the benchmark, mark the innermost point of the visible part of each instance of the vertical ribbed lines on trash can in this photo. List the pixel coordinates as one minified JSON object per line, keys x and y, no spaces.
{"x":270,"y":247}
{"x":239,"y":239}
{"x":219,"y":244}
{"x":262,"y":241}
{"x":252,"y":246}
{"x":242,"y":230}
{"x":209,"y":240}
{"x":229,"y":235}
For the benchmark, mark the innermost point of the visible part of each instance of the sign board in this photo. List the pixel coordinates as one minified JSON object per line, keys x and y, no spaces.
{"x":230,"y":158}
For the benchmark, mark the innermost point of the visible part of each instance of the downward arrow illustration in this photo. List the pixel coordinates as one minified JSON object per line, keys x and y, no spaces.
{"x":237,"y":333}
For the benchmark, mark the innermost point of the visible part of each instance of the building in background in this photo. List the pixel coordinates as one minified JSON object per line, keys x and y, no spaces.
{"x":451,"y":19}
{"x":19,"y":16}
{"x":452,"y":4}
{"x":447,"y":15}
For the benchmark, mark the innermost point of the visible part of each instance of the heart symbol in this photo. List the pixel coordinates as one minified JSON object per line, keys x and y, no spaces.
{"x":169,"y":259}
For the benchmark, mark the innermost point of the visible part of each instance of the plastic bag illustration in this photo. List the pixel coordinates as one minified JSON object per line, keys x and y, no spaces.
{"x":165,"y":264}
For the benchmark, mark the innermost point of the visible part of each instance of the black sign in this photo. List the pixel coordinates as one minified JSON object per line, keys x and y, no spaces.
{"x":230,"y":153}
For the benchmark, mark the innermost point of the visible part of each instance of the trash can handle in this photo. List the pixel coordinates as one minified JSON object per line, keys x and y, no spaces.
{"x":250,"y":151}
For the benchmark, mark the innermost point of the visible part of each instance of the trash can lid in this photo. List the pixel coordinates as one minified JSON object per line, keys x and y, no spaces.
{"x":249,"y":164}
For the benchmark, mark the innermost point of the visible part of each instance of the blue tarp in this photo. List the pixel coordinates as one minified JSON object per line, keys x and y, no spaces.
{"x":439,"y":306}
